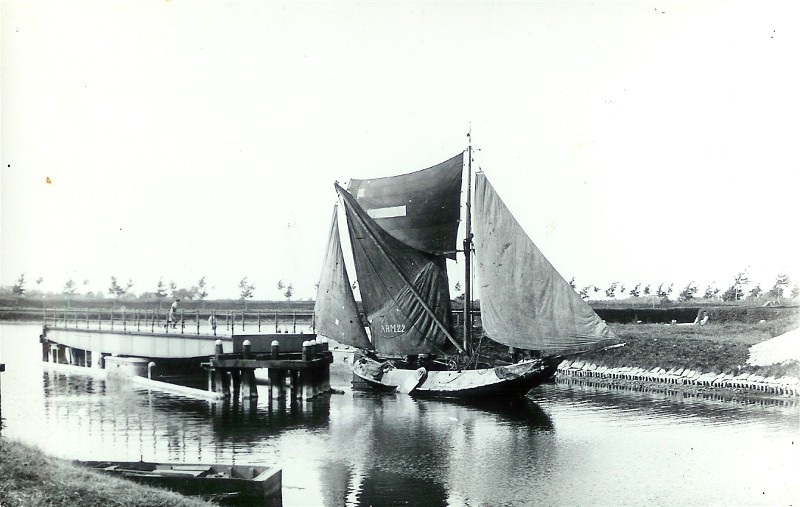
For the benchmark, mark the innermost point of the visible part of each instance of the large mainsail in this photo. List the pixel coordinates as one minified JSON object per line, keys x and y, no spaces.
{"x":404,"y":290}
{"x":525,"y":302}
{"x":335,"y":311}
{"x":420,"y":209}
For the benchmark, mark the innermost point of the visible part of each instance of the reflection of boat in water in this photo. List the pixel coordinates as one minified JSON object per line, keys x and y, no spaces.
{"x":402,"y":230}
{"x":410,"y":451}
{"x":220,"y":482}
{"x":518,"y":409}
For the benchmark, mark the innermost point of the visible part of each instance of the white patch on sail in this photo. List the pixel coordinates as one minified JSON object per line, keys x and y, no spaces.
{"x":360,"y":193}
{"x":394,"y":211}
{"x":337,"y":322}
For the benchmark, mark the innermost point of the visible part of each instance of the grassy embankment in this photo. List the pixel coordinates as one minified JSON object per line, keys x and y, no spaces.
{"x":28,"y":477}
{"x":721,"y":346}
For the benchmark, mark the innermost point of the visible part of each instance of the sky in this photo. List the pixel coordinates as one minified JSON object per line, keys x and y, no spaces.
{"x":639,"y":142}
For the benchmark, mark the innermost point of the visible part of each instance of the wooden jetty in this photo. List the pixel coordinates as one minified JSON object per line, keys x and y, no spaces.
{"x":293,"y":361}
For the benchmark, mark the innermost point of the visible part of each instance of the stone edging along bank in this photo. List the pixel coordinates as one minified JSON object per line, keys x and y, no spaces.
{"x":784,"y":386}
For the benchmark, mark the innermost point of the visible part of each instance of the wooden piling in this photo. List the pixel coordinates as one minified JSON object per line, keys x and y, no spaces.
{"x":236,"y":383}
{"x":249,"y":385}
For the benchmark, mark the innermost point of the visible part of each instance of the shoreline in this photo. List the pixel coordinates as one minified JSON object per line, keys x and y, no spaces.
{"x":748,"y":385}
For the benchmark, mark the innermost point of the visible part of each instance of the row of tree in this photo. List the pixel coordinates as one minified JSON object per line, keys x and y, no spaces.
{"x":735,"y":292}
{"x":123,"y":290}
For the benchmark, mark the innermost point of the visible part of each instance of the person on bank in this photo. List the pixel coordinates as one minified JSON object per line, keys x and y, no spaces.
{"x":173,"y":314}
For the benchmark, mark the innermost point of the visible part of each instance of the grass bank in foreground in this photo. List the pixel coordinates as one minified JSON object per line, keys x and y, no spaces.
{"x":718,"y":347}
{"x":28,"y":477}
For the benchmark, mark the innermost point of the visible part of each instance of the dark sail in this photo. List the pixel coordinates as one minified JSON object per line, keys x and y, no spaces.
{"x":525,"y":302}
{"x":420,"y":209}
{"x":335,"y":311}
{"x":404,"y":290}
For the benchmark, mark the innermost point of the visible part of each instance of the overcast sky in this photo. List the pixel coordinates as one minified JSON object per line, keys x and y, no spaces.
{"x":634,"y":141}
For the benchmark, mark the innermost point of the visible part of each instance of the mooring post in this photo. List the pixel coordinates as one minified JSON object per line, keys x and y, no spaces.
{"x":217,"y":348}
{"x":150,"y":367}
{"x":214,"y":322}
{"x":153,"y":321}
{"x":243,"y":320}
{"x":124,"y":320}
{"x":246,"y":346}
{"x":197,"y":320}
{"x":183,"y":324}
{"x":294,"y":321}
{"x":259,"y":320}
{"x":326,"y":370}
{"x":276,"y":321}
{"x":306,"y":390}
{"x":277,"y":376}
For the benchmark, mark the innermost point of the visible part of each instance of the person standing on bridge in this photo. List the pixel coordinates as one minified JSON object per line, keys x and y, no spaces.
{"x":173,"y":314}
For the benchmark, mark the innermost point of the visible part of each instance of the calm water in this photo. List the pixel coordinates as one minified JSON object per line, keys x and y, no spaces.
{"x":565,"y":445}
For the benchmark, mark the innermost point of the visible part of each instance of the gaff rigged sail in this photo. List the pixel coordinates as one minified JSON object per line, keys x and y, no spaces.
{"x":404,"y":290}
{"x":420,"y":209}
{"x":525,"y":302}
{"x":335,"y":311}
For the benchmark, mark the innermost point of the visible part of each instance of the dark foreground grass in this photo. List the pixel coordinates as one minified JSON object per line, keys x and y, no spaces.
{"x":29,"y":478}
{"x":717,"y":347}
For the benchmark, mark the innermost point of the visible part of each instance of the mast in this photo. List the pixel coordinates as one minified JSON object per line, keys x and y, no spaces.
{"x":468,"y":250}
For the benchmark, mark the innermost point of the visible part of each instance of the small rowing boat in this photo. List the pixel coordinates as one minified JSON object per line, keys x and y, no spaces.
{"x":210,"y":481}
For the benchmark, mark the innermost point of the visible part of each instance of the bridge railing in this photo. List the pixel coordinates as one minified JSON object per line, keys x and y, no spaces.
{"x":195,"y":322}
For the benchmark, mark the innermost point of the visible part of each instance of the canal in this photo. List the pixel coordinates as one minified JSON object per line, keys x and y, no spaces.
{"x":563,"y":445}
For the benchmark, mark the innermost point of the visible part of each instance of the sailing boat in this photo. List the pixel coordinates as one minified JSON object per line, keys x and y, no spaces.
{"x":402,"y":230}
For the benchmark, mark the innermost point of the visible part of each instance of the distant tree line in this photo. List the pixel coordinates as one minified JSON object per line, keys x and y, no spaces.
{"x":736,"y":291}
{"x":119,"y":290}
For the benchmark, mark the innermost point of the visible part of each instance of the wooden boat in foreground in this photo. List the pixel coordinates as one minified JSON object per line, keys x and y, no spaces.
{"x":207,"y":480}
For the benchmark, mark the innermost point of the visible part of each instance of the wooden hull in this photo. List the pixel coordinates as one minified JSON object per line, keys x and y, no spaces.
{"x":206,"y":480}
{"x":511,"y":380}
